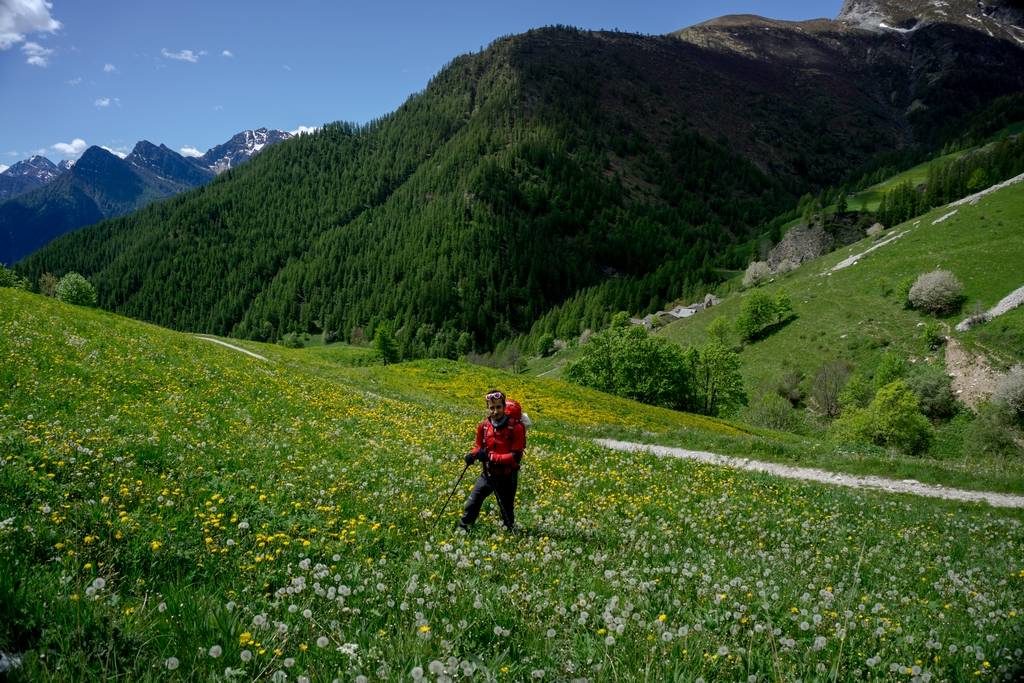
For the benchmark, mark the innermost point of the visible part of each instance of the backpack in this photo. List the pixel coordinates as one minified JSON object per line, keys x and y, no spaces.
{"x":515,"y":413}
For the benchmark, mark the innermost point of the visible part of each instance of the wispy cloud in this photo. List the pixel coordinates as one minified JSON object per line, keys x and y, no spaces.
{"x":302,"y":130}
{"x":286,"y":67}
{"x":36,"y":54}
{"x":190,"y":152}
{"x":70,"y":149}
{"x":218,"y":107}
{"x":74,"y":81}
{"x":183,"y":55}
{"x":20,"y":17}
{"x":109,"y":69}
{"x":227,"y":53}
{"x":102,"y":102}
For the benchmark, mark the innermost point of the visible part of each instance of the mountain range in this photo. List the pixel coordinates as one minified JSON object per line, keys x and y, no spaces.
{"x":586,"y":169}
{"x":41,"y":200}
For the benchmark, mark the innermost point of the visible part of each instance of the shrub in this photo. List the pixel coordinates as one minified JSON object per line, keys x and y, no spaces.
{"x":8,"y":278}
{"x":75,"y":289}
{"x":934,"y":392}
{"x":759,"y":312}
{"x":720,"y":330}
{"x":546,"y":345}
{"x":787,"y":266}
{"x":876,"y":230}
{"x":857,"y":392}
{"x":48,"y":284}
{"x":1010,"y":393}
{"x":991,"y":433}
{"x":627,"y":361}
{"x":774,"y":412}
{"x":757,"y":272}
{"x":890,"y":368}
{"x":826,"y":391}
{"x":790,"y":387}
{"x":931,"y":336}
{"x":892,"y":420}
{"x":292,"y":340}
{"x":938,"y":292}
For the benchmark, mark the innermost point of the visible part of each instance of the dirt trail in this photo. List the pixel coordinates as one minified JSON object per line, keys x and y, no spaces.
{"x":230,"y":346}
{"x":974,"y":380}
{"x":823,"y":476}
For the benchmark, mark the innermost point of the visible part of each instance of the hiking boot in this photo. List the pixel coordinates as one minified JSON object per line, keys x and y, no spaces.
{"x":461,"y":526}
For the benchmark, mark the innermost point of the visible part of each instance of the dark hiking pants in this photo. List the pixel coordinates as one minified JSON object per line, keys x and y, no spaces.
{"x":504,"y":489}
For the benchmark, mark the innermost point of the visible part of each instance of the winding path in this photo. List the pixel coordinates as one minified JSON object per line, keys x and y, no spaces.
{"x":823,"y":476}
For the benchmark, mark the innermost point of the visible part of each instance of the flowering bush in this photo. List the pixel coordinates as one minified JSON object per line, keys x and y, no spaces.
{"x":75,"y":289}
{"x":938,"y":292}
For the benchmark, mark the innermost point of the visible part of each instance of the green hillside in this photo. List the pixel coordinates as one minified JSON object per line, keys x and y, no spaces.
{"x":173,"y":509}
{"x":856,"y":313}
{"x":548,"y":164}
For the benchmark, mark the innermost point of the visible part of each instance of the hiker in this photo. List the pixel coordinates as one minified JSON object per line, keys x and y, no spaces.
{"x":500,"y":441}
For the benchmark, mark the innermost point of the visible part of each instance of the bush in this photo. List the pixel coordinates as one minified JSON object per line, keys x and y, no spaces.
{"x":932,"y":336}
{"x":938,"y":292}
{"x":759,"y":312}
{"x":790,"y":387}
{"x":75,"y":289}
{"x":757,"y":272}
{"x":991,"y":433}
{"x":890,"y":368}
{"x":826,"y":391}
{"x":876,"y":230}
{"x":857,"y":392}
{"x":546,"y":345}
{"x":627,"y":361}
{"x":892,"y":420}
{"x":48,"y":284}
{"x":292,"y":340}
{"x":774,"y":412}
{"x":718,"y":385}
{"x":8,"y":278}
{"x":1010,"y":393}
{"x":934,"y":392}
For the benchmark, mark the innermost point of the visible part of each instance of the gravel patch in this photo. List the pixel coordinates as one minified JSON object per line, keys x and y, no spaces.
{"x":1007,"y":303}
{"x":823,"y":476}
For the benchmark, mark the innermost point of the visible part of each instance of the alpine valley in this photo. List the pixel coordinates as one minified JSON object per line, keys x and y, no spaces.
{"x":552,"y":165}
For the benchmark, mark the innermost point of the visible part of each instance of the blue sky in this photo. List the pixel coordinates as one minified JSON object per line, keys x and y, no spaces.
{"x":190,"y":74}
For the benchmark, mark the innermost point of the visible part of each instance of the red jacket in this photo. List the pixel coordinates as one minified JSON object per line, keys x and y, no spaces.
{"x":504,"y":446}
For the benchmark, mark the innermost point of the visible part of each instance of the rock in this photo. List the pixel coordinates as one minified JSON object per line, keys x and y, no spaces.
{"x":711,"y":300}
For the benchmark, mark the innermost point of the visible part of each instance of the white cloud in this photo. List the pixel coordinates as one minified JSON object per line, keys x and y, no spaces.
{"x":3,"y":167}
{"x":190,"y":152}
{"x":183,"y":55}
{"x":102,"y":102}
{"x":119,"y":152}
{"x":74,"y":81}
{"x":286,"y":67}
{"x":70,"y":149}
{"x":37,"y":54}
{"x":109,"y":69}
{"x":19,"y":17}
{"x":301,"y":130}
{"x":218,"y":107}
{"x":227,"y":53}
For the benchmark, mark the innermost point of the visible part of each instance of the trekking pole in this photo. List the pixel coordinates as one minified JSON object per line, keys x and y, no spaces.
{"x":454,"y":488}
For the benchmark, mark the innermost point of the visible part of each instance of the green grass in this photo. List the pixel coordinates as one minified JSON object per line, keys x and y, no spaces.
{"x":161,"y":496}
{"x":856,"y":315}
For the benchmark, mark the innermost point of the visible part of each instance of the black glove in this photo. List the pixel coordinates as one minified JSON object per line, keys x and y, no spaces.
{"x":483,"y":456}
{"x":470,"y":457}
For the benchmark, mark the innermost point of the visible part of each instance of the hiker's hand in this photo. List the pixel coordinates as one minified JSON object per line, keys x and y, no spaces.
{"x":469,"y":458}
{"x":483,"y":456}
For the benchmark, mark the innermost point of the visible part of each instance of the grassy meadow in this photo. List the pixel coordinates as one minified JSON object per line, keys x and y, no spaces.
{"x":172,"y":509}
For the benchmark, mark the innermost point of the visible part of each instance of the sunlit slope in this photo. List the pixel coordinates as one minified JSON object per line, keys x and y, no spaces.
{"x":857,"y":312}
{"x":170,"y":508}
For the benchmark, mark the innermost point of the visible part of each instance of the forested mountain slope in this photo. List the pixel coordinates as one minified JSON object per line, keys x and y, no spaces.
{"x":548,"y":162}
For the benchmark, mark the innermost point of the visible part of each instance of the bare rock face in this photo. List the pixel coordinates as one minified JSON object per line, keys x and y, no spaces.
{"x":800,"y":244}
{"x":998,"y":18}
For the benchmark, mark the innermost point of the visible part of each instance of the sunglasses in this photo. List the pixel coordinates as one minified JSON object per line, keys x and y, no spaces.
{"x":495,"y":396}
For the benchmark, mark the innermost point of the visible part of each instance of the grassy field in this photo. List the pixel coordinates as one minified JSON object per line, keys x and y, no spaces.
{"x":171,"y":509}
